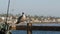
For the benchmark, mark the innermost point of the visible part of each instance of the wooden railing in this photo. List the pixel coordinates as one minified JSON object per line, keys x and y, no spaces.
{"x":29,"y":28}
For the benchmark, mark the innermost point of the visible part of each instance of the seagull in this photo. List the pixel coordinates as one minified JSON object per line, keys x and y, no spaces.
{"x":22,"y":18}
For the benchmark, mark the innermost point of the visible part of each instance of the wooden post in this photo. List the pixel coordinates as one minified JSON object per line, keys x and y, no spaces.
{"x":13,"y":27}
{"x":29,"y":28}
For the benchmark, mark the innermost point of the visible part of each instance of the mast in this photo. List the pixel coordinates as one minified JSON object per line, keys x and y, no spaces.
{"x":7,"y":10}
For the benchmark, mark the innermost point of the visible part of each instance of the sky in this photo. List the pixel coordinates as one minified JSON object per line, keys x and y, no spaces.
{"x":32,"y":7}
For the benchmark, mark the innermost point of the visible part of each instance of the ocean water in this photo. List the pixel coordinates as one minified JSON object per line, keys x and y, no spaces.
{"x":35,"y":32}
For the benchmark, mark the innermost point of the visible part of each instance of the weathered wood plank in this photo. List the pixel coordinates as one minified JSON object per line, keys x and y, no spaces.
{"x":46,"y":28}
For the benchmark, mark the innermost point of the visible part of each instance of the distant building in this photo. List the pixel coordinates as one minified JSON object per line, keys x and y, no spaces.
{"x":58,"y":19}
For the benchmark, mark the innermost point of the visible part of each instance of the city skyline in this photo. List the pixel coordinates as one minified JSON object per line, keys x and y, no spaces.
{"x":32,"y":7}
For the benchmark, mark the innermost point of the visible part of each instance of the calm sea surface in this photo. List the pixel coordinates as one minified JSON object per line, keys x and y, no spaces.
{"x":35,"y":32}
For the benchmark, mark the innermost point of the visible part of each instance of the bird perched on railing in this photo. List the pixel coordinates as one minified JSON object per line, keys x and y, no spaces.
{"x":22,"y":18}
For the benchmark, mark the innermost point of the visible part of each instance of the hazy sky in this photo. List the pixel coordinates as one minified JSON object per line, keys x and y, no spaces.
{"x":32,"y":7}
